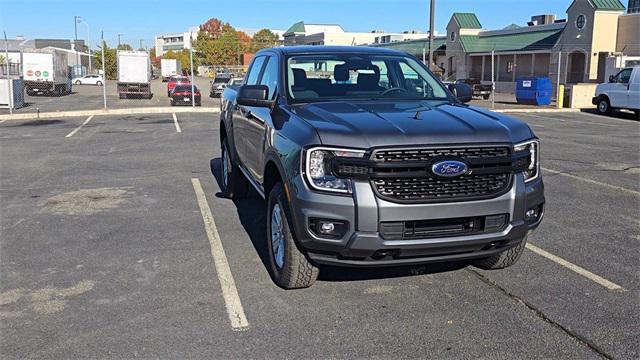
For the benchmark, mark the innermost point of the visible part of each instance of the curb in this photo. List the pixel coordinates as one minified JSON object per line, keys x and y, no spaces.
{"x":127,"y":111}
{"x":546,"y":110}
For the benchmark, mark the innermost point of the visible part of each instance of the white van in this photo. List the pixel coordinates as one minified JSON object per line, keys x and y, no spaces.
{"x":621,"y":92}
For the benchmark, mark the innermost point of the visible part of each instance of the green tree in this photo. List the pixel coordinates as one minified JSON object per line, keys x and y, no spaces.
{"x":263,"y":39}
{"x":124,"y":47}
{"x":224,"y":48}
{"x":183,"y":56}
{"x":110,"y":62}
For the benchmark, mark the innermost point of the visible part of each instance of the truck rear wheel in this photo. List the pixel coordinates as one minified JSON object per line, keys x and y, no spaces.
{"x":486,"y":96}
{"x":290,"y":267}
{"x":504,"y":259}
{"x":233,"y":181}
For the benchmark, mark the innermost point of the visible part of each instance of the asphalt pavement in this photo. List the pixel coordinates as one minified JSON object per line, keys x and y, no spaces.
{"x":107,"y":252}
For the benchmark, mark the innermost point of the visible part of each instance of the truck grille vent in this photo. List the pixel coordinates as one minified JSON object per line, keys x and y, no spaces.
{"x":483,"y":184}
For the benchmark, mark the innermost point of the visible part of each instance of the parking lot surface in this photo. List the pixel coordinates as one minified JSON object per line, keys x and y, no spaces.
{"x":107,"y":251}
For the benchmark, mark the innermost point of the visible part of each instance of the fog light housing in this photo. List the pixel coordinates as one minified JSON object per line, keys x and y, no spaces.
{"x":532,"y":215}
{"x":328,"y":228}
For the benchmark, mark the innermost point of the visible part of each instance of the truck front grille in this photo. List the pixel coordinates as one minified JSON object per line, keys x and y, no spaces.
{"x":491,"y":175}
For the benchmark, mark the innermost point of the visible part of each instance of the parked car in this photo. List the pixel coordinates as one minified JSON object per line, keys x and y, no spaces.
{"x":621,"y":92}
{"x":358,"y":174}
{"x":218,"y":84}
{"x":479,"y":90}
{"x":235,"y":82}
{"x":174,"y":81}
{"x":181,"y":95}
{"x":89,"y":80}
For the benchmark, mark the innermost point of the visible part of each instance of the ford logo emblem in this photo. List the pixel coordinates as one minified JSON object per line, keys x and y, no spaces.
{"x":449,"y":168}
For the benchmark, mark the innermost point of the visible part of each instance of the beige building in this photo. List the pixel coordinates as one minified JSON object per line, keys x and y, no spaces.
{"x":579,"y":46}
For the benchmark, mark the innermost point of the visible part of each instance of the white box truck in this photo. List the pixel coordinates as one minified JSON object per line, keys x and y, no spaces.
{"x":134,"y":74}
{"x":169,"y":68}
{"x":46,"y":71}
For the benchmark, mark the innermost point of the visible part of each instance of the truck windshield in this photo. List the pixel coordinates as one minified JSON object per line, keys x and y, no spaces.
{"x":324,"y":77}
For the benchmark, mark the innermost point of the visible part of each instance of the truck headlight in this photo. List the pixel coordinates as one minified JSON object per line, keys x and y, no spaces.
{"x":317,"y":168}
{"x":533,"y":170}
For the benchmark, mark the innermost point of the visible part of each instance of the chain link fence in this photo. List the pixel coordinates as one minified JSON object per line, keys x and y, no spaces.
{"x":111,"y":74}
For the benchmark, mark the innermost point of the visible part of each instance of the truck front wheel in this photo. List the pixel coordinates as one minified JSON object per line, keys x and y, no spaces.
{"x":290,"y":268}
{"x":504,"y":259}
{"x":604,"y":107}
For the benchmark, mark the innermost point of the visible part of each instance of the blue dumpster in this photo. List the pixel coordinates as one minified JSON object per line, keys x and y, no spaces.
{"x":533,"y":90}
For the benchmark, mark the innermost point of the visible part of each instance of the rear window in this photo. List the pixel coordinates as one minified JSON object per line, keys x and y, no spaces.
{"x":186,"y":88}
{"x":180,"y":79}
{"x":219,"y":80}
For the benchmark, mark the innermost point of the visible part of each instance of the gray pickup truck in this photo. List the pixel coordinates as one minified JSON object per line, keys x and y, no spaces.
{"x":365,"y":159}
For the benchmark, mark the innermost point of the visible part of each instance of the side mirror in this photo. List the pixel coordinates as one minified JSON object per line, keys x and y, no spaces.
{"x":254,"y":95}
{"x":462,"y":92}
{"x":612,"y":78}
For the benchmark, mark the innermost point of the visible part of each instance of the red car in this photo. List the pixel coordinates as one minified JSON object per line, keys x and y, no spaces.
{"x":181,"y":95}
{"x":176,"y":80}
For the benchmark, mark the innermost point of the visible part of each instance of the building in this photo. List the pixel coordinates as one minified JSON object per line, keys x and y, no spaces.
{"x":175,"y":41}
{"x":301,"y":33}
{"x":420,"y":49}
{"x":580,"y":46}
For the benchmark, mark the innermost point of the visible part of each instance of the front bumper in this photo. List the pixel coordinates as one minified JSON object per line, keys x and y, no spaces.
{"x":364,"y":246}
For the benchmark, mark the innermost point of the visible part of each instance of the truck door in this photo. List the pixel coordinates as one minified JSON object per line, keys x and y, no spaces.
{"x":241,"y":114}
{"x":259,"y":121}
{"x":619,"y":89}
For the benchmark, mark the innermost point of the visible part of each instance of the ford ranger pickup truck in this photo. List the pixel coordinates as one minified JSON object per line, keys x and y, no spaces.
{"x":365,"y":159}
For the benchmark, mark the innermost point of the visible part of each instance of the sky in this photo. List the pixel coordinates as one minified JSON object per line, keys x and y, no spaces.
{"x":143,"y":19}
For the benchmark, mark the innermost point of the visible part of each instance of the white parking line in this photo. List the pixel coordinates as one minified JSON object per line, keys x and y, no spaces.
{"x":79,"y":127}
{"x":569,"y":121}
{"x":229,"y":291}
{"x":176,"y":123}
{"x":1,"y":121}
{"x":576,"y":177}
{"x":575,"y":268}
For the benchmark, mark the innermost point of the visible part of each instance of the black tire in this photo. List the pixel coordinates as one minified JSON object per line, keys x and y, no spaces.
{"x":99,"y":83}
{"x":486,"y":96}
{"x":78,"y":82}
{"x":123,"y":96}
{"x":604,"y":106}
{"x":169,"y":93}
{"x":504,"y":259}
{"x":295,"y":271}
{"x":234,"y":184}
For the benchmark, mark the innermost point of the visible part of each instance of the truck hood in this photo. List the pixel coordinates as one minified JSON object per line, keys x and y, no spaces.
{"x":381,"y":123}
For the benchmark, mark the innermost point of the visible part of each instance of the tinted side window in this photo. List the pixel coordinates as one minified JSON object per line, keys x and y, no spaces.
{"x":624,"y":76}
{"x":254,"y":72}
{"x":270,"y":76}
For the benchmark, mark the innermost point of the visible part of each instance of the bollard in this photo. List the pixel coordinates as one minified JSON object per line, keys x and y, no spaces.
{"x":560,"y":97}
{"x":38,"y":111}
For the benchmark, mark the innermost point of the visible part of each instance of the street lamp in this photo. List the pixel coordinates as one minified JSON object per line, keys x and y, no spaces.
{"x":88,"y":42}
{"x":76,"y":20}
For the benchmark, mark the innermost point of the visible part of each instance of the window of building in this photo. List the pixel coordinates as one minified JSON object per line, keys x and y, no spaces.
{"x":509,"y":67}
{"x":453,"y":36}
{"x":581,"y":21}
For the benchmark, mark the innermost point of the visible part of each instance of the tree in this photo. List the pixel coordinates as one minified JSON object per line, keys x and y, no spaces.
{"x":110,"y":62}
{"x":124,"y":47}
{"x":183,"y":57}
{"x":263,"y":39}
{"x":213,"y":28}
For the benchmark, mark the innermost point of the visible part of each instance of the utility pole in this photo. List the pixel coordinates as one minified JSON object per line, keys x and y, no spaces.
{"x":88,"y":44}
{"x":558,"y":80}
{"x":493,"y":81}
{"x":141,"y":43}
{"x":75,"y":42}
{"x":119,"y":41}
{"x":193,"y":95}
{"x":9,"y":80}
{"x":432,"y":11}
{"x":104,"y":74}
